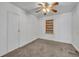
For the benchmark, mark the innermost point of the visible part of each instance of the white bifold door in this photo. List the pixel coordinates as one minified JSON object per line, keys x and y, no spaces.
{"x":12,"y":31}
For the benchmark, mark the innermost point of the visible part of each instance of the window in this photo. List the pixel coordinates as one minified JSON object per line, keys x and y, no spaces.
{"x":49,"y":26}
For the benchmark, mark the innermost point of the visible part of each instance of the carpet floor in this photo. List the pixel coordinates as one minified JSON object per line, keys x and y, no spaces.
{"x":44,"y":48}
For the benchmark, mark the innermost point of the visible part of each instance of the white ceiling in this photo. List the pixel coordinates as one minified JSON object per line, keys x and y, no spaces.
{"x":30,"y":7}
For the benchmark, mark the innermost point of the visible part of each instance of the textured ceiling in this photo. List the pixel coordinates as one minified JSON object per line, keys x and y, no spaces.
{"x":30,"y":7}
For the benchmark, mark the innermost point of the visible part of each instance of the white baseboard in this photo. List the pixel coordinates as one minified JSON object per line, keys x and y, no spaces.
{"x":19,"y":46}
{"x":75,"y":47}
{"x":28,"y":42}
{"x":57,"y":40}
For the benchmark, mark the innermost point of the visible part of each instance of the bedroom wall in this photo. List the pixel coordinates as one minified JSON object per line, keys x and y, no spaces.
{"x":62,"y":28}
{"x":75,"y":27}
{"x":29,"y":29}
{"x":28,"y":26}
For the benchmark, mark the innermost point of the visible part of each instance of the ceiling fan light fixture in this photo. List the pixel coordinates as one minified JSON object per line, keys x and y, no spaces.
{"x":44,"y":10}
{"x":48,"y":10}
{"x":45,"y":7}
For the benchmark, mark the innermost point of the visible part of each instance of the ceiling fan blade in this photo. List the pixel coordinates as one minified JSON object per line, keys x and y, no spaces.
{"x":46,"y":4}
{"x":40,"y":5}
{"x":55,"y":3}
{"x":38,"y":10}
{"x":54,"y":11}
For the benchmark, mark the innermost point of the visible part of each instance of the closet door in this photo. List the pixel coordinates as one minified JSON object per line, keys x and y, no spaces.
{"x":13,"y":37}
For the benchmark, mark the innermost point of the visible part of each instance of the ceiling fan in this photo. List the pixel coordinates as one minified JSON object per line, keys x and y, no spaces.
{"x":45,"y":7}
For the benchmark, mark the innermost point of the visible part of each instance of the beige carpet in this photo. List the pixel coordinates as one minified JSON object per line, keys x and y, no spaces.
{"x":44,"y":48}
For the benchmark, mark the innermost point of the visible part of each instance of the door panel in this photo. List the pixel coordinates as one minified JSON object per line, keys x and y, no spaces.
{"x":13,"y":21}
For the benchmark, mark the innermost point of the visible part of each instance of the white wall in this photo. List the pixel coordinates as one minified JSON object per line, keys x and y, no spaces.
{"x":62,"y":28}
{"x":75,"y":27}
{"x":28,"y":26}
{"x":29,"y":29}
